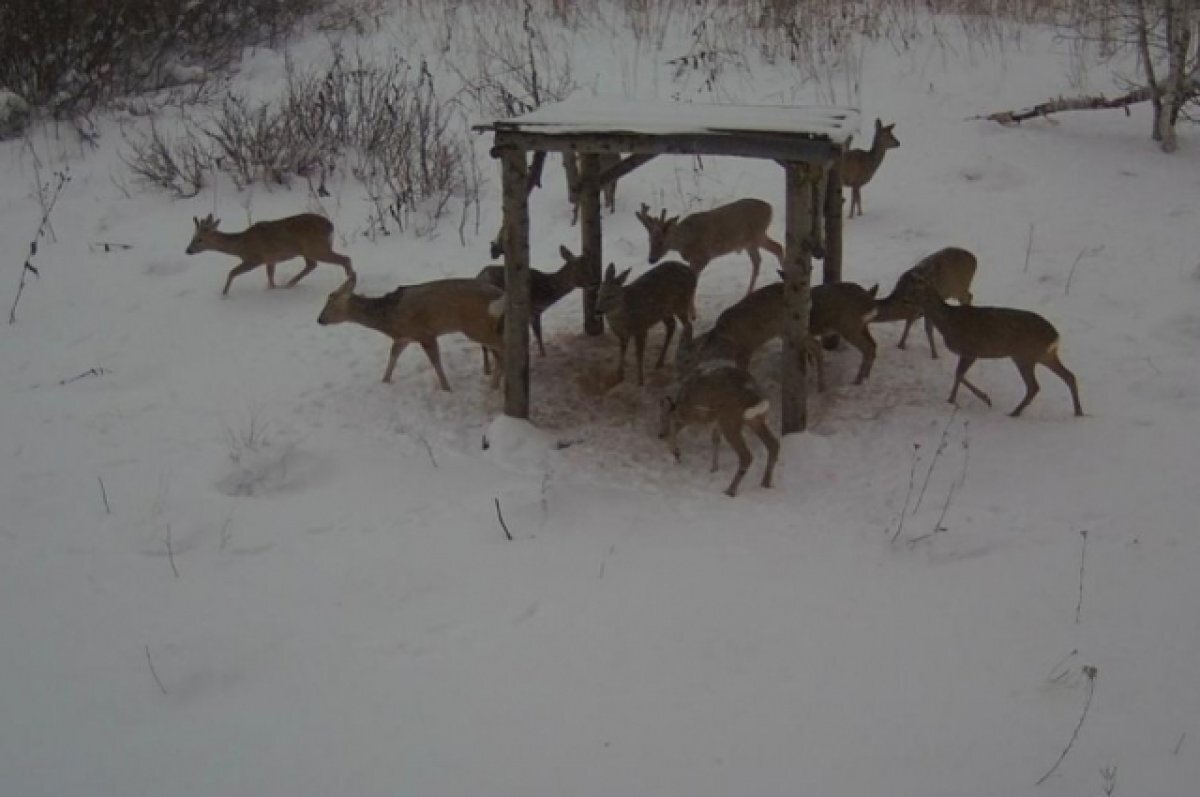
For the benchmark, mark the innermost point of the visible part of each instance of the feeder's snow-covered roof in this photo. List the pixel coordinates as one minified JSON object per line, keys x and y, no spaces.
{"x":614,"y":115}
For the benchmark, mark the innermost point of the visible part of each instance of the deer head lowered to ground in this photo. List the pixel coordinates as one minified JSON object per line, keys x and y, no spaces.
{"x":721,"y":394}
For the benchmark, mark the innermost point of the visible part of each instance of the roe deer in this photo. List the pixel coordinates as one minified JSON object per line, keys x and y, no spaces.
{"x":722,"y":394}
{"x":841,"y":308}
{"x":662,"y":294}
{"x":975,"y":333}
{"x":741,"y":330}
{"x":544,"y":290}
{"x":608,"y":190}
{"x":306,"y":235}
{"x":948,"y":271}
{"x":700,"y":237}
{"x":860,"y":165}
{"x":422,"y":313}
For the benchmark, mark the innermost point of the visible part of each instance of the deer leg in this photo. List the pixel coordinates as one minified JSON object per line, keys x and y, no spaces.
{"x":732,"y":429}
{"x":960,"y":376}
{"x":271,"y":275}
{"x":240,"y":268}
{"x":639,"y":348}
{"x":771,"y":442}
{"x":498,"y":354}
{"x":620,"y":377}
{"x":487,"y":365}
{"x":1031,"y":384}
{"x":393,"y":355}
{"x":929,"y":334}
{"x":669,"y":323}
{"x":435,"y":357}
{"x":716,"y":447}
{"x":772,"y":246}
{"x":861,"y":339}
{"x":755,"y":263}
{"x":309,"y":265}
{"x":331,"y":256}
{"x":535,"y":321}
{"x":1052,"y":362}
{"x":812,"y":351}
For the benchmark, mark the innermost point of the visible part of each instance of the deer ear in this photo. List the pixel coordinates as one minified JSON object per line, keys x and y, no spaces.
{"x":780,"y":273}
{"x":671,"y":222}
{"x":624,"y":275}
{"x":196,"y":221}
{"x":878,"y":124}
{"x":874,"y":290}
{"x":566,"y":253}
{"x":610,"y":273}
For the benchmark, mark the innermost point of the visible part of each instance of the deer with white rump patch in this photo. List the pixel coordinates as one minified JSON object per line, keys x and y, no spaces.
{"x":306,"y":235}
{"x":661,"y":295}
{"x":841,"y":308}
{"x":860,"y":165}
{"x":721,"y":394}
{"x":948,"y":271}
{"x":700,"y":237}
{"x":975,"y":333}
{"x":544,"y":290}
{"x":422,"y":313}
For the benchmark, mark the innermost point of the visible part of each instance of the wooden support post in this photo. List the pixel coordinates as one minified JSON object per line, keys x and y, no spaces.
{"x":832,"y":271}
{"x":514,"y":174}
{"x":592,"y":239}
{"x":797,"y":282}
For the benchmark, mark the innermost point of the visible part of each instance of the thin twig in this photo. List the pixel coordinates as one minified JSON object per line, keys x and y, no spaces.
{"x":1052,"y":677}
{"x":1028,"y":248}
{"x":941,"y":447}
{"x":962,"y":478}
{"x":1086,"y":251}
{"x":84,"y":375}
{"x":171,"y":552}
{"x":1090,"y":672}
{"x":1082,"y":559}
{"x":429,"y":449}
{"x":104,"y":495}
{"x":912,"y":472}
{"x":154,"y":672}
{"x":27,"y":267}
{"x":503,"y":525}
{"x":1179,"y":744}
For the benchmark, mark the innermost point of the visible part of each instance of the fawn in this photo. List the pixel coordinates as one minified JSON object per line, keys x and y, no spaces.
{"x":700,"y":237}
{"x":306,"y":235}
{"x":948,"y":271}
{"x":422,"y":313}
{"x":663,"y":294}
{"x":544,"y":290}
{"x":726,"y":396}
{"x":975,"y":333}
{"x":860,"y":165}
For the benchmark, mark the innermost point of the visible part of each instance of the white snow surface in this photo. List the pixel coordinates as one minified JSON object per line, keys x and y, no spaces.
{"x":608,"y":114}
{"x":233,"y":562}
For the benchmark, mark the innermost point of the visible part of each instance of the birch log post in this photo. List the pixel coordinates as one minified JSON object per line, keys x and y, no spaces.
{"x":514,"y":174}
{"x":592,"y":241}
{"x":797,"y":283}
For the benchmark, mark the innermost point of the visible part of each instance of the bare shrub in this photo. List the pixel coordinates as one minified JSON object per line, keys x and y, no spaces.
{"x":67,"y":57}
{"x":177,"y":165}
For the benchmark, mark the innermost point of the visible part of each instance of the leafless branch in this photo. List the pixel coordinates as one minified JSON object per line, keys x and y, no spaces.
{"x":104,"y":495}
{"x":503,"y":525}
{"x":1082,"y":558}
{"x":1090,"y":672}
{"x":154,"y":672}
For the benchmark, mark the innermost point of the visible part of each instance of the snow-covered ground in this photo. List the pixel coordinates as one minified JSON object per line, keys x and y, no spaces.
{"x":234,"y":562}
